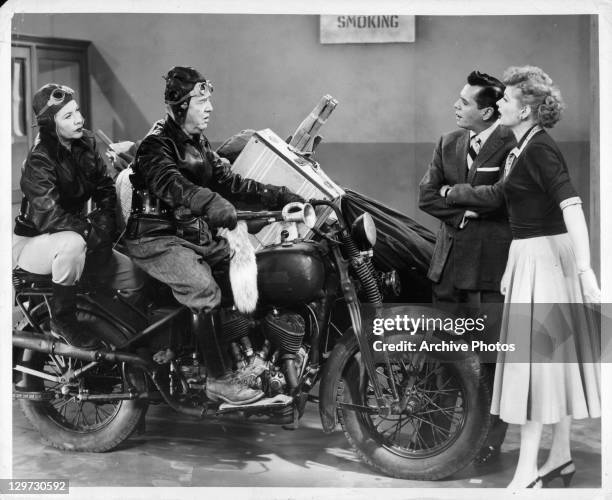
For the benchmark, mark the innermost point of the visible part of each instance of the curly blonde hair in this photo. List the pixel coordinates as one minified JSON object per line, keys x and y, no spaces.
{"x":538,"y":91}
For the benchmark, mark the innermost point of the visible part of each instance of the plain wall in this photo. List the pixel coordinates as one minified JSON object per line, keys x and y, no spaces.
{"x":270,"y":70}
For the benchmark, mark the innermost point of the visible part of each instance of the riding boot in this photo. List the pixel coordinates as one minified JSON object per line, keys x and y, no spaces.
{"x":64,"y":323}
{"x":208,"y":334}
{"x":232,"y":390}
{"x":226,"y":387}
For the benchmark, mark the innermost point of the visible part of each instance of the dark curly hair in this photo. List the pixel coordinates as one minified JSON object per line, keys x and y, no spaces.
{"x":492,"y":91}
{"x":538,"y":91}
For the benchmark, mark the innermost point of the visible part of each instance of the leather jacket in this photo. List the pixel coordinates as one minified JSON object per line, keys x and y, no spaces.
{"x":176,"y":173}
{"x":56,"y":184}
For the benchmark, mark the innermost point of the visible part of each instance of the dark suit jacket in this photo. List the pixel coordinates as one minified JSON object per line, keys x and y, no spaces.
{"x":480,"y":249}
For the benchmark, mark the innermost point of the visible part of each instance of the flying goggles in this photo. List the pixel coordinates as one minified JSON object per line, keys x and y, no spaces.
{"x":204,"y":88}
{"x":58,"y":96}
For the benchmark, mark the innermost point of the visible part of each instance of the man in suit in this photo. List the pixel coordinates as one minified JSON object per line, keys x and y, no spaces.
{"x":463,"y":188}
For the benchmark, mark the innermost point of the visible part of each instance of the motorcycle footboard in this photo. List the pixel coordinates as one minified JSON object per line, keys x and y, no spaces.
{"x":275,"y":403}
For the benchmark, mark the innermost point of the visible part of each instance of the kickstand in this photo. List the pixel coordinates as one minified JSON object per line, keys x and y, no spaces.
{"x":296,"y":421}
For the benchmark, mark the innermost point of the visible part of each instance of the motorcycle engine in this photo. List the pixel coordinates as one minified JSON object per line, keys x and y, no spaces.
{"x":285,"y":331}
{"x":274,"y":367}
{"x":273,"y":381}
{"x":235,"y":325}
{"x":278,"y":364}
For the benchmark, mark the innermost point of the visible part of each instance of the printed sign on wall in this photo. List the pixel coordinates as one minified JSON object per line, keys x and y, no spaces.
{"x":367,"y":29}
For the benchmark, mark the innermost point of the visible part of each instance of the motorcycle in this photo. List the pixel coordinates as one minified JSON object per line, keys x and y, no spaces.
{"x":407,"y":415}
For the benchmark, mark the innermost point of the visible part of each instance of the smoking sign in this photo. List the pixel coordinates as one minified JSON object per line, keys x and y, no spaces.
{"x":367,"y":29}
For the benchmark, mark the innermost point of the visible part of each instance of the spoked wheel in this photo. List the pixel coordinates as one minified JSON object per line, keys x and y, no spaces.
{"x":436,"y":429}
{"x":66,"y":409}
{"x":77,"y":414}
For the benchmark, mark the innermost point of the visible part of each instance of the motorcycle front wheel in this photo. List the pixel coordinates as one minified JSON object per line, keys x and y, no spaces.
{"x":439,"y":427}
{"x":55,"y":410}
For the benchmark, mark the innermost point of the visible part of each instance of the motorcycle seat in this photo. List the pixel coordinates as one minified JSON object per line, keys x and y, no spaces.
{"x":23,"y":279}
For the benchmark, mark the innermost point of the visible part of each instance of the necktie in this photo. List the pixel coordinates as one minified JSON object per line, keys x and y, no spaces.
{"x":473,"y":151}
{"x":509,"y":162}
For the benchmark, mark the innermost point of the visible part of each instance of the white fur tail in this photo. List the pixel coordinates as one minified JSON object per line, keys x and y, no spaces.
{"x":243,"y":268}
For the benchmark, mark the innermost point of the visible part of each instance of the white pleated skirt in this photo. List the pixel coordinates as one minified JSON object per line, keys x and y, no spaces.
{"x":554,"y":371}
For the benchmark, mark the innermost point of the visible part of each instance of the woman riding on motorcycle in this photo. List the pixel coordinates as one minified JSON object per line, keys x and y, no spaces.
{"x":53,"y":235}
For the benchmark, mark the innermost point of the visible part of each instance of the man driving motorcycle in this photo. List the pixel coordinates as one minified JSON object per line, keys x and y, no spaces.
{"x":179,"y":183}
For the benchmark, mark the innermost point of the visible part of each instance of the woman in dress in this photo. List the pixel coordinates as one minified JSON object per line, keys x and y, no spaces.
{"x":552,"y":376}
{"x":53,"y":235}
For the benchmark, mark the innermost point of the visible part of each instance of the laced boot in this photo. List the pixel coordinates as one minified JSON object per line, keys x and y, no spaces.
{"x":64,"y":323}
{"x":231,"y":390}
{"x":224,"y":385}
{"x":250,"y":373}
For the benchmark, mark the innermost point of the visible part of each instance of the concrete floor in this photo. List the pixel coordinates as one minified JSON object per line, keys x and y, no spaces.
{"x":178,"y":451}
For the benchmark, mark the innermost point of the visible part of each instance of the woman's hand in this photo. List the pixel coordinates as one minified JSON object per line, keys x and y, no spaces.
{"x":121,"y":147}
{"x":590,"y":288}
{"x":120,"y":153}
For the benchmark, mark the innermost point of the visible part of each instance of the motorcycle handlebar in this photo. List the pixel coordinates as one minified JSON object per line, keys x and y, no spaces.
{"x":334,"y":207}
{"x":269,"y":216}
{"x":276,"y":215}
{"x":292,"y":212}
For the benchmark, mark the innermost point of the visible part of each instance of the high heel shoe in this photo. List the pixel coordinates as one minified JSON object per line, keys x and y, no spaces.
{"x":533,"y":483}
{"x":555,"y":473}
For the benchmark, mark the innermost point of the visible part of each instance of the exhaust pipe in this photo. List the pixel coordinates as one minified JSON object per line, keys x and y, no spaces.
{"x":40,"y":343}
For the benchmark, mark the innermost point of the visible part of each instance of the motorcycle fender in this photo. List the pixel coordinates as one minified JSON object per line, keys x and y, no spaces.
{"x":346,"y":348}
{"x":114,"y":311}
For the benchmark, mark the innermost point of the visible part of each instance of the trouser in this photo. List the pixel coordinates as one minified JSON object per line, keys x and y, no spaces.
{"x":63,"y":255}
{"x":184,"y":266}
{"x":449,"y":298}
{"x":445,"y":293}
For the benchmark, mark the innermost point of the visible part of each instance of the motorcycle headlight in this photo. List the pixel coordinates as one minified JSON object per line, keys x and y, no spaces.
{"x":363,"y":231}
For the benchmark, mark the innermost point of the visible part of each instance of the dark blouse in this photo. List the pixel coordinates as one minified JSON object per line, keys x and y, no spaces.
{"x":534,"y":187}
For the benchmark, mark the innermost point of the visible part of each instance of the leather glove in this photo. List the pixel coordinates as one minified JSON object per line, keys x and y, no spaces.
{"x":216,"y":210}
{"x":101,"y":230}
{"x":221,"y":213}
{"x":285,"y":196}
{"x":99,"y":245}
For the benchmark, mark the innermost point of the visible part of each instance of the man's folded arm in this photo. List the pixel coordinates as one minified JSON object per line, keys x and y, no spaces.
{"x":430,"y":199}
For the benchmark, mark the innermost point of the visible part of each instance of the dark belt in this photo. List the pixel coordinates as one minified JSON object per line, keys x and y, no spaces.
{"x":194,"y":230}
{"x":140,"y":225}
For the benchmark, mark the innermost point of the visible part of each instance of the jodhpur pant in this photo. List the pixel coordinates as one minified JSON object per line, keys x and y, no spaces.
{"x":184,"y":266}
{"x":63,"y":255}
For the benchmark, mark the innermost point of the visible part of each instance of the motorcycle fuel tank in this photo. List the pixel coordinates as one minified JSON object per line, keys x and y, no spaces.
{"x":290,"y":272}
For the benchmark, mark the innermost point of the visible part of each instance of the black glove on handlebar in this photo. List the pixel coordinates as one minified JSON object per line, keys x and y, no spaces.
{"x":217,"y":211}
{"x":221,"y":213}
{"x":286,"y":196}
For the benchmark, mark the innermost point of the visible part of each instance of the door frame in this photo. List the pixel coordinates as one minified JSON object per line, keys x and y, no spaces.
{"x":75,"y":50}
{"x":79,"y":49}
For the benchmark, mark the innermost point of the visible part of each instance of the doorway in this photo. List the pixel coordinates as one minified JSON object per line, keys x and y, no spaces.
{"x":36,"y":61}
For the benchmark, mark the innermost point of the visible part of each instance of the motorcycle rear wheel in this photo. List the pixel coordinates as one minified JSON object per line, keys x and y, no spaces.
{"x":91,"y":426}
{"x":442,"y":433}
